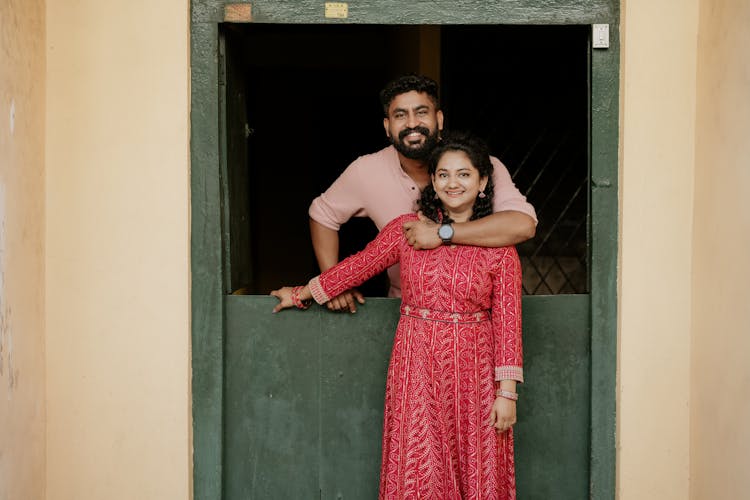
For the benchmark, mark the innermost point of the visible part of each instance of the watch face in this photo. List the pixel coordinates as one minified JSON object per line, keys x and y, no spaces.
{"x":445,"y":231}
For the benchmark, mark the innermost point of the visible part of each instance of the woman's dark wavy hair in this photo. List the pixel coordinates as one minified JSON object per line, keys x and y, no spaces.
{"x":479,"y":156}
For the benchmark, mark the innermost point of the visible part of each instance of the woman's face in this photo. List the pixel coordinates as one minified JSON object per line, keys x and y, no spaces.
{"x":457,"y":183}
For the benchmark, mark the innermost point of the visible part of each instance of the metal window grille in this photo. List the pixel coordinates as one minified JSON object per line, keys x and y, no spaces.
{"x":552,"y":170}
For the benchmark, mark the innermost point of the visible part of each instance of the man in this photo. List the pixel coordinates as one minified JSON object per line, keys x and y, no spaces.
{"x":386,"y":184}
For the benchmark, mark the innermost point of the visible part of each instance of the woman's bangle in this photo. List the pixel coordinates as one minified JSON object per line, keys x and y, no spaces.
{"x":513,"y":396}
{"x":299,"y":304}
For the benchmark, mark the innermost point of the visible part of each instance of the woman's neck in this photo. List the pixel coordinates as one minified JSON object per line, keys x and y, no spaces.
{"x":460,"y":216}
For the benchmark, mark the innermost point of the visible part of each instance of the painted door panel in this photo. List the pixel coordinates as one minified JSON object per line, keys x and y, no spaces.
{"x":304,"y":397}
{"x":314,"y":379}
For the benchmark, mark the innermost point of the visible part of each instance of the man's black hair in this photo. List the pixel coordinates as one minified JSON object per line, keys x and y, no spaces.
{"x":407,"y":83}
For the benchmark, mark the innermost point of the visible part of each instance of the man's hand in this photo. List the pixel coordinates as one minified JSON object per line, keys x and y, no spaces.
{"x":422,"y":234}
{"x":347,"y":301}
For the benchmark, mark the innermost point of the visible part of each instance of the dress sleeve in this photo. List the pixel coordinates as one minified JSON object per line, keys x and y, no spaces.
{"x":507,"y":195}
{"x":341,"y":201}
{"x":381,"y":253}
{"x":506,"y":317}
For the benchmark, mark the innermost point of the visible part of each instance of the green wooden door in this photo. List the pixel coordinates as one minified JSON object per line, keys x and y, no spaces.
{"x":304,"y":395}
{"x":290,"y":405}
{"x":304,"y":415}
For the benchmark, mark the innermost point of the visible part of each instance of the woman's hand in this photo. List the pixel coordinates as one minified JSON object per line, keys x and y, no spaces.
{"x":284,"y":295}
{"x":503,"y":414}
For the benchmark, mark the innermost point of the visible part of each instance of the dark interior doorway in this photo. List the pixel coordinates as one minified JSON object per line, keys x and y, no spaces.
{"x":302,"y":103}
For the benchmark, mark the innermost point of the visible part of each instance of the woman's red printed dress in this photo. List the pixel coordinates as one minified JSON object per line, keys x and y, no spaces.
{"x":459,"y":331}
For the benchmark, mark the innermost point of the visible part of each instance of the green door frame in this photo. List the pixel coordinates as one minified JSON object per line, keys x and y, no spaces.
{"x":206,"y":207}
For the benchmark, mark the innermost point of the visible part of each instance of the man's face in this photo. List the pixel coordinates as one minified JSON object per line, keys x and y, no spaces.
{"x":413,"y":124}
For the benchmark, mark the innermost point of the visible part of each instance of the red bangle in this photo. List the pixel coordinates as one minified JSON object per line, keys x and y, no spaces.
{"x":299,"y":304}
{"x":513,"y":396}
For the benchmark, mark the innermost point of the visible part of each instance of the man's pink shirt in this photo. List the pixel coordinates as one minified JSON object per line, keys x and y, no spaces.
{"x":376,"y":186}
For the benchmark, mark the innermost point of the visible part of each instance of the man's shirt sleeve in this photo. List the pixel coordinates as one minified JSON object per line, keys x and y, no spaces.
{"x":507,"y":196}
{"x":341,"y":201}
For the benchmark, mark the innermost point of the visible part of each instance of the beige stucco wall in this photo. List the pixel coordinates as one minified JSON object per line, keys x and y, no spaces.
{"x":118,"y":265}
{"x":720,"y":381}
{"x":118,"y":250}
{"x":657,"y":165}
{"x":22,"y":367}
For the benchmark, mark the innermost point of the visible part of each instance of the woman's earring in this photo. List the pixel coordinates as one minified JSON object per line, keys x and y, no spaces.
{"x":481,"y":195}
{"x":435,"y":197}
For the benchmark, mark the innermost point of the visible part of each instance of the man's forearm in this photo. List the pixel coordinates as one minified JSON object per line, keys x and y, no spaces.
{"x":500,"y":229}
{"x":325,"y":242}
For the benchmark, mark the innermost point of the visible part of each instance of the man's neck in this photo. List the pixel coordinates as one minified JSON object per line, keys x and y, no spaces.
{"x":416,"y":169}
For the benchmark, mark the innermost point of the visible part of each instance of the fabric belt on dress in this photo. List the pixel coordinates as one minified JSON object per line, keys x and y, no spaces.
{"x":446,"y":316}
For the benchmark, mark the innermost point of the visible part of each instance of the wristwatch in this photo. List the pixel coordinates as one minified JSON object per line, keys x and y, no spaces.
{"x":445,"y":231}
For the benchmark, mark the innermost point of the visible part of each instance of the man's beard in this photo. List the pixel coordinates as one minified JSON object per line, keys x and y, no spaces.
{"x":420,"y":152}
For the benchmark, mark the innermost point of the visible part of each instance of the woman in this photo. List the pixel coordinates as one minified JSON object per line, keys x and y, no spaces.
{"x":451,"y":396}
